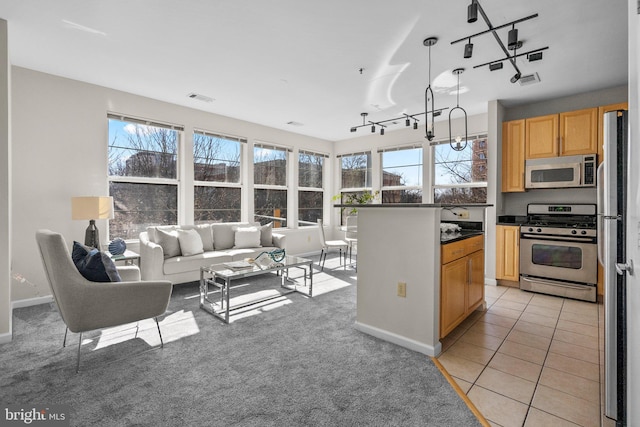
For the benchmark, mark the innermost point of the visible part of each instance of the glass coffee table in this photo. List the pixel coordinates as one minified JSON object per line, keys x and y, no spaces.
{"x":219,"y":276}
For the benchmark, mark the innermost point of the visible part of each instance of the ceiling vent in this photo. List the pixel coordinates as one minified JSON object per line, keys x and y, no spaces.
{"x":292,"y":123}
{"x":199,"y":97}
{"x":529,"y":79}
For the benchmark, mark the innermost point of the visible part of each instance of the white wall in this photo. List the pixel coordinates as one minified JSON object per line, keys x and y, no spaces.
{"x":60,"y":138}
{"x":5,"y":186}
{"x":633,"y":224}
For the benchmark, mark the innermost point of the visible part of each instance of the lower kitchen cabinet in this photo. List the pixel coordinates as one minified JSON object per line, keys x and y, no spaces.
{"x":461,"y":281}
{"x":508,"y":252}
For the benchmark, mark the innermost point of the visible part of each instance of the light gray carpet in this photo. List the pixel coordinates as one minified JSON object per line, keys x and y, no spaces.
{"x":296,"y":362}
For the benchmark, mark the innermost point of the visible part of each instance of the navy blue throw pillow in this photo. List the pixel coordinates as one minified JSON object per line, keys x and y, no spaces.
{"x":94,"y":265}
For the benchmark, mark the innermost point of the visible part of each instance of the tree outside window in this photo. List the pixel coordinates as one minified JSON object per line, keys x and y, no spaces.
{"x":142,"y":175}
{"x":270,"y":185}
{"x":216,"y":172}
{"x":461,"y":176}
{"x":402,"y":175}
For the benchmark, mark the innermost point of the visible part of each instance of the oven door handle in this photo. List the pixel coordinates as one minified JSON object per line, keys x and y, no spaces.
{"x":558,"y":239}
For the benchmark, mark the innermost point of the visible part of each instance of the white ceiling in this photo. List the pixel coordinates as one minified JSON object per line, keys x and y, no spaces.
{"x":279,"y":61}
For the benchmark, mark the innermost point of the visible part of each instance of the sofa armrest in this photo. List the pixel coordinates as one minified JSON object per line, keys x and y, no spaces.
{"x":129,"y":273}
{"x":151,"y":259}
{"x":279,"y":240}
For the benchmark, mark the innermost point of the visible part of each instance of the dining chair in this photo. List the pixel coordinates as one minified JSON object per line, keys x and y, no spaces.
{"x":351,"y":233}
{"x":330,"y":244}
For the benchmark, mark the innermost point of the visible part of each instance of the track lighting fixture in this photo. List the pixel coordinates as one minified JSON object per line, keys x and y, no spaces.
{"x":512,"y":38}
{"x":515,"y":77}
{"x":472,"y":12}
{"x":534,"y":56}
{"x":468,"y":49}
{"x":373,"y":128}
{"x":415,"y":125}
{"x":381,"y":131}
{"x":513,"y":43}
{"x":458,"y":146}
{"x":407,"y":122}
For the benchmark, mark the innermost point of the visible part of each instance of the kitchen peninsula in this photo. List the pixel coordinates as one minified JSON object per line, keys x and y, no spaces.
{"x":399,"y":251}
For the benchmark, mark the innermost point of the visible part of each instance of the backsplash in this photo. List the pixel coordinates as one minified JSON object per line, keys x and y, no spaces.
{"x":516,"y":203}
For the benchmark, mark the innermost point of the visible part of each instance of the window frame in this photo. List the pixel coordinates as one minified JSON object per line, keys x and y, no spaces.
{"x":219,"y":184}
{"x":320,"y":189}
{"x":476,"y":184}
{"x":420,"y":187}
{"x":179,"y":129}
{"x":280,"y":187}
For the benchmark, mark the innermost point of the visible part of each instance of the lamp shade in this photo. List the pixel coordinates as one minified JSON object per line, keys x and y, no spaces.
{"x":94,"y":207}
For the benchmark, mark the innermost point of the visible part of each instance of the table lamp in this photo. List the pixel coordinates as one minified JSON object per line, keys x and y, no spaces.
{"x":92,"y":208}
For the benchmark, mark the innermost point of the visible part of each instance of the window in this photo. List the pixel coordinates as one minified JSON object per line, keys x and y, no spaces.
{"x":310,"y":188}
{"x":402,"y":175}
{"x":270,"y":184}
{"x":216,"y":173}
{"x":142,"y":175}
{"x":461,"y":176}
{"x":355,"y":172}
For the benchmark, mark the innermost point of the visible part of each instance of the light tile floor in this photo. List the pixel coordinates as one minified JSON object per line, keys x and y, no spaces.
{"x":530,"y":359}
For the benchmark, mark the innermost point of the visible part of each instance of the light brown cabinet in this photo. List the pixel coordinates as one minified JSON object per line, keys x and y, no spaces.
{"x":461,"y":281}
{"x":513,"y":146}
{"x":564,"y":134}
{"x":508,"y":252}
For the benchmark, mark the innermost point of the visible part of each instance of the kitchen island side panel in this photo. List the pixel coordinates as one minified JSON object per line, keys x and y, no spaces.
{"x":400,"y":245}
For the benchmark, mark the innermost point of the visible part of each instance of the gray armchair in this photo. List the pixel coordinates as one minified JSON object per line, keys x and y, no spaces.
{"x":85,"y":305}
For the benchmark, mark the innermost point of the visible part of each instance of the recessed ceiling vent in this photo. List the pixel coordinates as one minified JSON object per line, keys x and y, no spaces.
{"x":529,"y":79}
{"x":292,"y":123}
{"x":199,"y":97}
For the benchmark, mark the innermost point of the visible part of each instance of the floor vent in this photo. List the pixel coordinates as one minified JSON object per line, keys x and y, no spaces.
{"x":199,"y":97}
{"x":529,"y":79}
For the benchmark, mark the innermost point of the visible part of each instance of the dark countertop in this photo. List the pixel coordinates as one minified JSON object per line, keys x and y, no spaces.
{"x":458,"y":235}
{"x":414,"y":205}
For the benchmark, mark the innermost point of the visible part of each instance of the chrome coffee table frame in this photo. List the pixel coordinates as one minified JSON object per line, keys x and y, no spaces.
{"x":220,"y":276}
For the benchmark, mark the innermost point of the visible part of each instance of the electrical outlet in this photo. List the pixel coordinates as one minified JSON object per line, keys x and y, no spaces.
{"x":463,"y":214}
{"x":402,"y":289}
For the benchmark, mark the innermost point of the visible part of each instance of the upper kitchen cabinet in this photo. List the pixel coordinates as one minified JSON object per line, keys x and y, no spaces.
{"x":601,"y":110}
{"x":541,"y":137}
{"x":579,"y":132}
{"x":564,"y":134}
{"x":513,"y":156}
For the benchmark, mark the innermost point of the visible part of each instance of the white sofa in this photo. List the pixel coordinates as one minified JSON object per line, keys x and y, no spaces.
{"x":221,"y":242}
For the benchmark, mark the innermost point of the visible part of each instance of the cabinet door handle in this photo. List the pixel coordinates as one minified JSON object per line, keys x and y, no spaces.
{"x":470,"y":266}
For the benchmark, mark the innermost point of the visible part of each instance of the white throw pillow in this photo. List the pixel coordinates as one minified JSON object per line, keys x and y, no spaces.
{"x":190,"y":242}
{"x":247,"y":237}
{"x":169,"y":242}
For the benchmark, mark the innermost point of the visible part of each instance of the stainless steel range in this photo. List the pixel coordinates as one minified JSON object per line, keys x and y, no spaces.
{"x":558,"y":250}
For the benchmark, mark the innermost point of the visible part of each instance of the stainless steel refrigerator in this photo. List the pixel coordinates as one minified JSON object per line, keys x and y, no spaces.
{"x":612,"y":210}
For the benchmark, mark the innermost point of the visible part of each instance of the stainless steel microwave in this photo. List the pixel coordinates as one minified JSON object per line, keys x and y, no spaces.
{"x":561,"y":172}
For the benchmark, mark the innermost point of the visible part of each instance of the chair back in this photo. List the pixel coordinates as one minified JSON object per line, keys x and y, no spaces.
{"x":65,"y":280}
{"x":352,"y":227}
{"x":323,"y":241}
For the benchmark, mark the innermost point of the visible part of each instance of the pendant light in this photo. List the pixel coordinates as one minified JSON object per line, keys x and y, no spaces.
{"x":458,"y":146}
{"x":428,"y":94}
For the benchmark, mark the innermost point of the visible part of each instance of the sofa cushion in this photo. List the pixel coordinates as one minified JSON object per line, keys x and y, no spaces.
{"x":206,"y":235}
{"x":247,"y":237}
{"x":190,"y":242}
{"x":169,"y":242}
{"x":266,"y":234}
{"x":224,"y":234}
{"x":152,"y":231}
{"x":181,"y":264}
{"x":94,"y":265}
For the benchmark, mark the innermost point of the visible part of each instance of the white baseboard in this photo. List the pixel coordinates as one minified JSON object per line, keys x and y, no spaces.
{"x":31,"y":301}
{"x":400,"y":340}
{"x":6,"y":338}
{"x":492,"y":282}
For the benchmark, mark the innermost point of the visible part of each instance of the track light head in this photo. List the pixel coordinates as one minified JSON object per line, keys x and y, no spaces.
{"x":468,"y":50}
{"x":515,"y":77}
{"x":415,"y":125}
{"x":536,"y":56}
{"x":472,"y":12}
{"x":407,"y":122}
{"x":496,"y":66}
{"x":381,"y":131}
{"x":512,"y":39}
{"x":354,"y":129}
{"x":373,"y":128}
